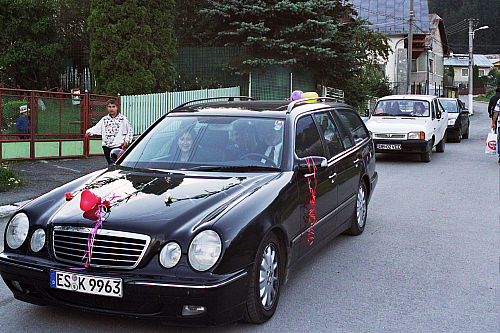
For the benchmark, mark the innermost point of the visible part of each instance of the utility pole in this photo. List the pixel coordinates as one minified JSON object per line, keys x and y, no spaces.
{"x":471,"y":38}
{"x":471,"y":59}
{"x":410,"y":51}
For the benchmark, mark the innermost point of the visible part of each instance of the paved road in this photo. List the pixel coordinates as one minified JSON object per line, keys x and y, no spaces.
{"x":42,"y":176}
{"x":428,"y":260}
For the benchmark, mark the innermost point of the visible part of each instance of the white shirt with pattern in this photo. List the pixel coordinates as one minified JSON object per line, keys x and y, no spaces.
{"x":114,"y":131}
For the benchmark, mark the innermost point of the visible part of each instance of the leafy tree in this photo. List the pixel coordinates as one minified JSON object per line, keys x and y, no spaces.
{"x":371,"y":83}
{"x":317,"y":35}
{"x":72,"y":19}
{"x":475,"y":77}
{"x":449,"y":70}
{"x":494,"y":77}
{"x":31,"y":51}
{"x":132,"y":45}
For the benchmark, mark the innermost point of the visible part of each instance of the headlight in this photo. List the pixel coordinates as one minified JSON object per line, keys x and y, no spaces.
{"x":204,"y":250}
{"x":37,"y":240}
{"x":451,"y":122}
{"x":416,"y":136}
{"x":17,"y":231}
{"x":170,"y":255}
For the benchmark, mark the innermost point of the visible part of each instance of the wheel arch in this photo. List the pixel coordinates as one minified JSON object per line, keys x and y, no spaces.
{"x":284,"y":250}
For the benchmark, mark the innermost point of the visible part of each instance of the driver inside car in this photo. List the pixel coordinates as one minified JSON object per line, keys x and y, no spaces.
{"x":245,"y":142}
{"x":418,"y":109}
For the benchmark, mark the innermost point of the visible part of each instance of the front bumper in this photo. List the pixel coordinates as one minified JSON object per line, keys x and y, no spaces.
{"x":452,"y":130}
{"x":407,"y":146}
{"x":144,"y":295}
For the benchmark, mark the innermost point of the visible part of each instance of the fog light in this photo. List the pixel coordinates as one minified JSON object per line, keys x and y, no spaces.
{"x":37,"y":240}
{"x":193,"y":310}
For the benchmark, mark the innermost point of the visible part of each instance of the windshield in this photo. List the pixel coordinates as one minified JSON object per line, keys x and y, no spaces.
{"x":205,"y":143}
{"x":402,"y":107}
{"x":449,"y":105}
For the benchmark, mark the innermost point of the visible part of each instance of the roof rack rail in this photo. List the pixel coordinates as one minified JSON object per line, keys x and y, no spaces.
{"x":303,"y":101}
{"x":229,"y":98}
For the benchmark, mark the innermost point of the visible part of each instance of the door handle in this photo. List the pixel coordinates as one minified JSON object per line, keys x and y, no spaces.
{"x":332,"y":176}
{"x":356,"y":161}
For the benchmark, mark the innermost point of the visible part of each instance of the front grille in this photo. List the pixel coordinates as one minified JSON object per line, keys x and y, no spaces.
{"x":390,"y":136}
{"x":112,"y":249}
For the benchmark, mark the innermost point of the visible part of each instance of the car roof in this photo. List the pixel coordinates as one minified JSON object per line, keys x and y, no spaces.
{"x":428,"y":98}
{"x":246,"y":107}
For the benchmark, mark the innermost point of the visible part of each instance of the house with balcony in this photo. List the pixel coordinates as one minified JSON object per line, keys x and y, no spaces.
{"x":429,"y":46}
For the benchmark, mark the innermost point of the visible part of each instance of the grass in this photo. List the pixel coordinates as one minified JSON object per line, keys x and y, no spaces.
{"x":8,"y":178}
{"x":482,"y":99}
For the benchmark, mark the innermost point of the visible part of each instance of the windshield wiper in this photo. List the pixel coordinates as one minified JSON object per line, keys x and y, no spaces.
{"x":242,"y":168}
{"x":384,"y":114}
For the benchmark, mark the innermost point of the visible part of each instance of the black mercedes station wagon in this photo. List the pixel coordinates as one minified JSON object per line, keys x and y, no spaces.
{"x":202,"y":218}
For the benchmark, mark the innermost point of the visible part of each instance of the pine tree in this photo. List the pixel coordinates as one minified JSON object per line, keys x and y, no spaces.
{"x":317,"y":35}
{"x":132,"y":45}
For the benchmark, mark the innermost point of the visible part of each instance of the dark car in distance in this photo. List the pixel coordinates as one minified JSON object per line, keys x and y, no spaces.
{"x":458,"y":119}
{"x":202,"y":219}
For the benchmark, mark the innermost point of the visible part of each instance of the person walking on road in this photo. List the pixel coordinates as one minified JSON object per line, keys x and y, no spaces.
{"x":493,"y":102}
{"x":494,"y":125}
{"x":115,"y":129}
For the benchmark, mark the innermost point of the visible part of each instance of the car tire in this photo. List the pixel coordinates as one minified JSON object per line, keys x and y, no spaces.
{"x":466,"y":134}
{"x":265,"y":276}
{"x":459,"y":136}
{"x":440,"y":146}
{"x":358,"y":219}
{"x":427,"y":156}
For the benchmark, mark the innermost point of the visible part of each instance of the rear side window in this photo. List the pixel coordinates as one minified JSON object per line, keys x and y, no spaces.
{"x":330,"y":133}
{"x":307,"y":139}
{"x":355,"y":124}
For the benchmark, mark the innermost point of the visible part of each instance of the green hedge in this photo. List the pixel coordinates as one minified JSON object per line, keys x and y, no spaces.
{"x":10,"y":114}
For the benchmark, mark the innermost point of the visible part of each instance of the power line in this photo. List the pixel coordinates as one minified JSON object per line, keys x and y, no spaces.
{"x":398,"y":19}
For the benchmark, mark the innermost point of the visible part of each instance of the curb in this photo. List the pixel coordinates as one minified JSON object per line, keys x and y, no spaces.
{"x":7,"y":210}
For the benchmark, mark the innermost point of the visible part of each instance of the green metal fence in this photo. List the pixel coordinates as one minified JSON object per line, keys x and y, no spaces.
{"x":143,"y":110}
{"x":207,"y":67}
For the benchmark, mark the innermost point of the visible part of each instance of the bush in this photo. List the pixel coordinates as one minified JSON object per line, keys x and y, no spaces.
{"x":10,"y":114}
{"x":8,"y":178}
{"x":489,"y":93}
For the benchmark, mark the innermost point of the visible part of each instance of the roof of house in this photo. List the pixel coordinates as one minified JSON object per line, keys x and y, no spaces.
{"x":393,"y":16}
{"x":436,"y":24}
{"x":462,"y":60}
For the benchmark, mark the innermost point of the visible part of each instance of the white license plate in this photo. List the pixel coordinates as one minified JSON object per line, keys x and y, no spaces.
{"x":389,"y":146}
{"x":86,"y":284}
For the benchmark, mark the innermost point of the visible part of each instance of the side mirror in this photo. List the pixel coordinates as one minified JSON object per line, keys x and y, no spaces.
{"x":438,"y":114}
{"x":115,"y":154}
{"x":318,"y":161}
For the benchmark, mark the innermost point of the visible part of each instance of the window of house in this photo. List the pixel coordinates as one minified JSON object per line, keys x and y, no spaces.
{"x":413,"y":65}
{"x":431,"y":65}
{"x":481,"y":72}
{"x":465,"y":72}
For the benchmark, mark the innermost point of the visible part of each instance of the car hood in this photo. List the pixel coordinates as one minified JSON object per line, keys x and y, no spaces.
{"x":158,"y":203}
{"x":383,"y":124}
{"x":452,"y":115}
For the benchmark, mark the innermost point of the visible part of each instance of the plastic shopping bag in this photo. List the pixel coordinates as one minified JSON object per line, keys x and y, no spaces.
{"x":491,"y":143}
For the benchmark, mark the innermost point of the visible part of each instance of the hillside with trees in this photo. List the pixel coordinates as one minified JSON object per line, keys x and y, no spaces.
{"x":455,"y":14}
